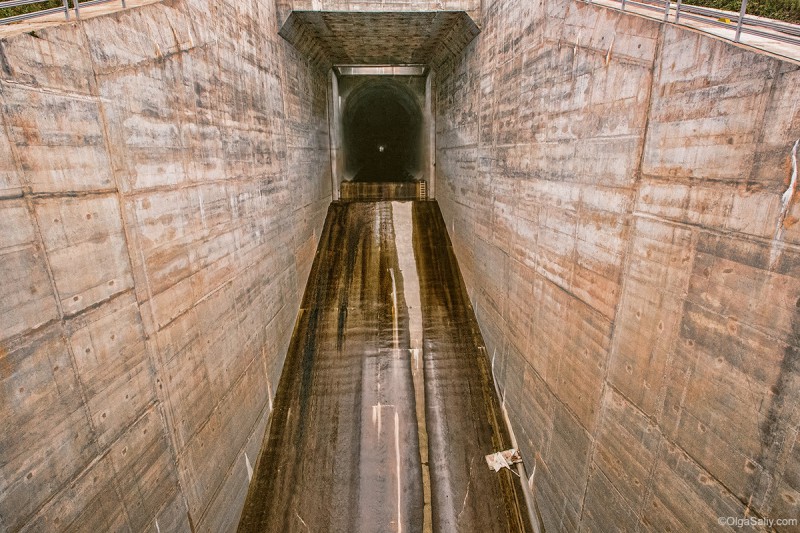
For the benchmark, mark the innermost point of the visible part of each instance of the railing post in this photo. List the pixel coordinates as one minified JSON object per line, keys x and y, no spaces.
{"x":666,"y":10}
{"x":741,"y":19}
{"x":678,"y":11}
{"x":623,"y":5}
{"x":77,"y":5}
{"x":66,"y":9}
{"x":123,"y":4}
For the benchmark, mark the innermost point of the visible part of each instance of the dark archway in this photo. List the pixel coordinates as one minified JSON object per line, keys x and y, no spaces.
{"x":382,"y":125}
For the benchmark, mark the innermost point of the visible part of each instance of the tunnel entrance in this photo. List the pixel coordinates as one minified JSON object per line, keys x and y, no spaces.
{"x":381,"y":125}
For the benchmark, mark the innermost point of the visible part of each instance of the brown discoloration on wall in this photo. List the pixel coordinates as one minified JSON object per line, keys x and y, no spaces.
{"x":616,"y":218}
{"x":29,"y":300}
{"x":84,"y":236}
{"x":43,"y":417}
{"x":162,"y":177}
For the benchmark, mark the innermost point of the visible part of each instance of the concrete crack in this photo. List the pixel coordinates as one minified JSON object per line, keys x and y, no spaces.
{"x":301,"y":519}
{"x":610,"y":47}
{"x":466,"y":495}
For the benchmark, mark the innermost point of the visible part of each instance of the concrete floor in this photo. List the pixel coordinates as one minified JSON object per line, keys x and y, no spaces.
{"x":386,"y":406}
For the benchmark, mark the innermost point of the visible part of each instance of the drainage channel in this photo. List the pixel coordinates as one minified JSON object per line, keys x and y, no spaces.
{"x":386,"y":407}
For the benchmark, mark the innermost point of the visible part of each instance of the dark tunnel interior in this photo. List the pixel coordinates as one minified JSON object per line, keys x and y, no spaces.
{"x":382,"y":124}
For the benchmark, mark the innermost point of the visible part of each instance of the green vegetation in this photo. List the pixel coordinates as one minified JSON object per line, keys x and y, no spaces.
{"x":786,"y":10}
{"x":19,"y":10}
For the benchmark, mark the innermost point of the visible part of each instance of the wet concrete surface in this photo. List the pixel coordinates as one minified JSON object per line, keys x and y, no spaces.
{"x":386,"y":405}
{"x":355,"y":191}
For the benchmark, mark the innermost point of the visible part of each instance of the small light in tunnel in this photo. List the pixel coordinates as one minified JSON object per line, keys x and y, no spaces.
{"x":382,"y":123}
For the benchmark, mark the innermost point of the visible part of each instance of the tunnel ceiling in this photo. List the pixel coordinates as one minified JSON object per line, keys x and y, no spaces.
{"x":329,"y":38}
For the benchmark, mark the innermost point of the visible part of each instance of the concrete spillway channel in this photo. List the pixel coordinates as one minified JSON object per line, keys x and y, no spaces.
{"x":386,"y":405}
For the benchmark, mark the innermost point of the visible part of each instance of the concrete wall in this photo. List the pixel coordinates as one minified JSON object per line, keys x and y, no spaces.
{"x":613,"y":187}
{"x":285,"y":7}
{"x":164,"y":177}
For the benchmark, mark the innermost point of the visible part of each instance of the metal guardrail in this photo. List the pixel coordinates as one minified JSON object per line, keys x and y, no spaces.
{"x":65,"y":8}
{"x":780,"y":31}
{"x":38,"y":13}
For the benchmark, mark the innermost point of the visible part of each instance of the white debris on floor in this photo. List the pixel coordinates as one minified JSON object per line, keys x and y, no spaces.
{"x":498,"y":461}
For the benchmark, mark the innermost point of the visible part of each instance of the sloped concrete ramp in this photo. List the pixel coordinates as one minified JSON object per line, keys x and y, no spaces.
{"x":386,"y":405}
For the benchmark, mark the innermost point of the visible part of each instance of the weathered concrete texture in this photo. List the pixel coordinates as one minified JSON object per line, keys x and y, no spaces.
{"x":362,"y":37}
{"x":386,"y":408}
{"x":164,"y":179}
{"x":350,"y":191}
{"x":616,"y":191}
{"x":285,"y":7}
